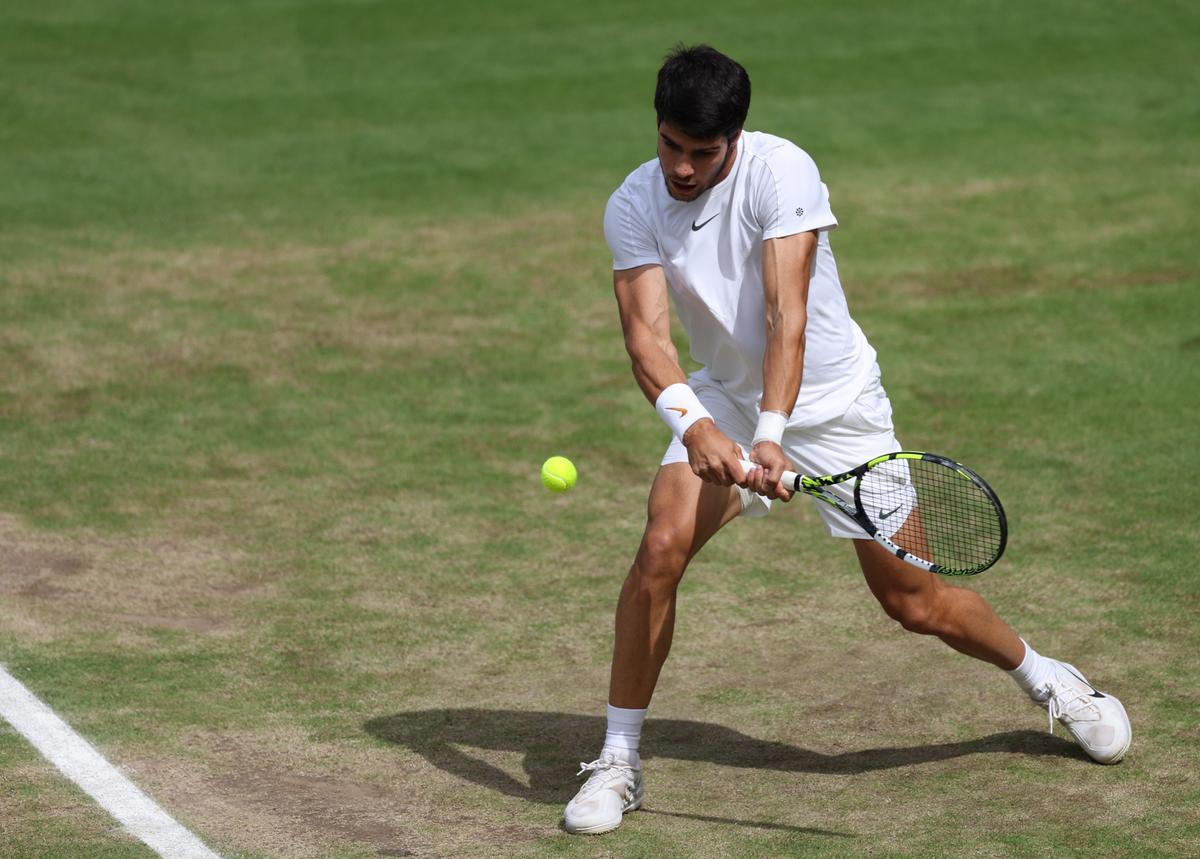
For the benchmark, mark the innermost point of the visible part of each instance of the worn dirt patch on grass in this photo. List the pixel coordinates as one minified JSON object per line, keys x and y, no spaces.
{"x":266,"y":309}
{"x":34,"y":572}
{"x":105,"y":582}
{"x":285,"y":793}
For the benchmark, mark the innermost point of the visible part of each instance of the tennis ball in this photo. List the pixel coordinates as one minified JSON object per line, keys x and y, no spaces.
{"x":558,"y":474}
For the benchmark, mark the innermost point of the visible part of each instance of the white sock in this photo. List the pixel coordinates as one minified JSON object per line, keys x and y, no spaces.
{"x":624,"y":732}
{"x":1034,"y":672}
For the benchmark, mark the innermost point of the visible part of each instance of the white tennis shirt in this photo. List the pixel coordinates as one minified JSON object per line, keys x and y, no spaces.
{"x":710,"y":250}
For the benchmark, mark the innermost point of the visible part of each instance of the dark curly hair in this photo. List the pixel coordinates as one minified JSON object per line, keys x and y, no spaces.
{"x":702,"y":92}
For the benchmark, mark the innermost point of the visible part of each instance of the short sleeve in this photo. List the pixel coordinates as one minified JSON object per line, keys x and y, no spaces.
{"x":790,"y":197}
{"x":629,"y":237}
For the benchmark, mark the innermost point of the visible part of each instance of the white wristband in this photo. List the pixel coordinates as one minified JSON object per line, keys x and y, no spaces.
{"x":770,"y":427}
{"x":679,"y":408}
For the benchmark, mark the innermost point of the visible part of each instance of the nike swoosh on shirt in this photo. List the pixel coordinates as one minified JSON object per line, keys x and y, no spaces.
{"x":883,"y":515}
{"x":696,"y":226}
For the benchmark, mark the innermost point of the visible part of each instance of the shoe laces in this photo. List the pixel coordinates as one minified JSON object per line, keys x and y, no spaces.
{"x":605,"y":770}
{"x":1068,"y":703}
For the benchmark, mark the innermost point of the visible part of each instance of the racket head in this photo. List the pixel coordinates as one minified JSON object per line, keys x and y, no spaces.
{"x":929,"y":508}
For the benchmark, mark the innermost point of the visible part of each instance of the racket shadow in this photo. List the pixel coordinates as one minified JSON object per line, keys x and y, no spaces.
{"x":551,"y":745}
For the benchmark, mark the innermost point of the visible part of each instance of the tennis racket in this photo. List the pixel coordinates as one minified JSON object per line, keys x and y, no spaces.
{"x":923,"y":508}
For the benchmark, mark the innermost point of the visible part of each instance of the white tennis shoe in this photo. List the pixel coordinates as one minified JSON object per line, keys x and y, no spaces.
{"x":1098,"y":722}
{"x":614,"y":787}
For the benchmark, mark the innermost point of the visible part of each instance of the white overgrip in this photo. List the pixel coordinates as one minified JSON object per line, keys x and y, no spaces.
{"x":788,"y":478}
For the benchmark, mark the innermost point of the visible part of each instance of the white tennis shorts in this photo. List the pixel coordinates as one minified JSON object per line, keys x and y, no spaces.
{"x":862,"y":433}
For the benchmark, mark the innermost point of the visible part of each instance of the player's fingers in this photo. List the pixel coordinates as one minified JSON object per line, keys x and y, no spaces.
{"x":701,"y":469}
{"x":765,"y":477}
{"x":739,"y":475}
{"x":715,"y":470}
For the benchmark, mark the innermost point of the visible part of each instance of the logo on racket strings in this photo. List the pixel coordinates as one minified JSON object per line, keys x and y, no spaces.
{"x":887,"y":515}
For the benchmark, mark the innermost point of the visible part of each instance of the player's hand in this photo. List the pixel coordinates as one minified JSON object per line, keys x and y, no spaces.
{"x":771,"y":463}
{"x":714,"y":456}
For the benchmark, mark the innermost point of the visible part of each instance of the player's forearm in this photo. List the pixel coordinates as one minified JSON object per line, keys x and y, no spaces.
{"x":783,"y":364}
{"x":787,"y":264}
{"x":655,"y":364}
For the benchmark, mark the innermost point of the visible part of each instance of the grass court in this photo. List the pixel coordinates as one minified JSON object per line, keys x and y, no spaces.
{"x":295,"y":297}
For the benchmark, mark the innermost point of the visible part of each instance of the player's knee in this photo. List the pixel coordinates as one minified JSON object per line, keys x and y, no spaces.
{"x":661,"y":558}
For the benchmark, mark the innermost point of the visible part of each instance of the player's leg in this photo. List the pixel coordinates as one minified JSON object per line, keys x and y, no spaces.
{"x":683,"y":513}
{"x":924,"y":603}
{"x":919,"y":601}
{"x":927,"y":604}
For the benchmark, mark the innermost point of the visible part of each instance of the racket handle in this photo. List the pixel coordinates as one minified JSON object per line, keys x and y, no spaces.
{"x":790,"y":479}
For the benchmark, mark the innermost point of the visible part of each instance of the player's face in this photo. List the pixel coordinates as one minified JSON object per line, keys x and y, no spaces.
{"x":691,"y":166}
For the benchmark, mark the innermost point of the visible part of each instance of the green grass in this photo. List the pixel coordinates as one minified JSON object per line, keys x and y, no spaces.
{"x":275,"y":276}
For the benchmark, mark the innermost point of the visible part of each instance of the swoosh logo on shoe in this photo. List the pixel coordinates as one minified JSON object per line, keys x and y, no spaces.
{"x":682,"y":411}
{"x":1093,"y":693}
{"x":883,"y":516}
{"x":696,"y":226}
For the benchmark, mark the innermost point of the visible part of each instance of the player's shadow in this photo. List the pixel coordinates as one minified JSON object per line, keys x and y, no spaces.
{"x":552,"y":742}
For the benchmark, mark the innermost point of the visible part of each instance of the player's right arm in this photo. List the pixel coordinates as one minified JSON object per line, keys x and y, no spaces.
{"x":646,"y":322}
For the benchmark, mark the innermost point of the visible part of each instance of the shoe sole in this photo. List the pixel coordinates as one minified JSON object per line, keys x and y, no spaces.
{"x":598,"y":829}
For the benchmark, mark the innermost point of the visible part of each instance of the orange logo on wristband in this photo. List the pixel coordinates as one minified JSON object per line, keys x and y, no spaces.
{"x":682,"y":411}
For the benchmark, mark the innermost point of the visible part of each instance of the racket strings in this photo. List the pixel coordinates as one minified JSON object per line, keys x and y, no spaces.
{"x":934,"y":512}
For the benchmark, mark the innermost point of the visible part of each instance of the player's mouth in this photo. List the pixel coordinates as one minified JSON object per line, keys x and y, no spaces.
{"x":682,"y":188}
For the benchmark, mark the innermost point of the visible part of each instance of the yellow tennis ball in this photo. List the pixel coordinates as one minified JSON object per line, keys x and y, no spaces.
{"x":558,"y":474}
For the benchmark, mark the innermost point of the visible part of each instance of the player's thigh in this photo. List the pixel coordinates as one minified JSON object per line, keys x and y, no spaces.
{"x":895,"y":583}
{"x":684,"y":512}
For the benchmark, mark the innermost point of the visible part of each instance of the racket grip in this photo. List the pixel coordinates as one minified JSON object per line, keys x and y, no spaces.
{"x":790,"y":479}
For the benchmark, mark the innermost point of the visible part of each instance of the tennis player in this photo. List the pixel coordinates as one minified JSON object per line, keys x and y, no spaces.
{"x":733,"y":226}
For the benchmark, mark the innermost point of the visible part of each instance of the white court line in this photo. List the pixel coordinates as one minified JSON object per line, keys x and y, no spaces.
{"x":85,"y":766}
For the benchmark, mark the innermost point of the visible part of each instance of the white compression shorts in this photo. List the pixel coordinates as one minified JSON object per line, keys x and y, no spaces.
{"x":862,"y":433}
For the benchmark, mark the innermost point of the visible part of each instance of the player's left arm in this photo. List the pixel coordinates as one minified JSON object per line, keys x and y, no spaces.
{"x":787,"y":266}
